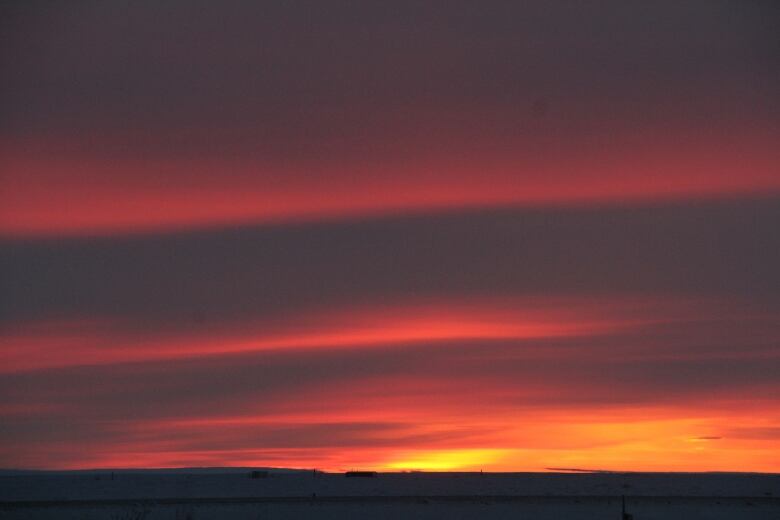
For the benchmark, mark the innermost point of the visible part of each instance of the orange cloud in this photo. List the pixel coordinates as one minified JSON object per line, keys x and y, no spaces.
{"x":493,"y":384}
{"x":47,"y":191}
{"x":417,"y":321}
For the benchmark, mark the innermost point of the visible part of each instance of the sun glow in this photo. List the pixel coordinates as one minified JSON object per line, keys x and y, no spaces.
{"x":448,"y":460}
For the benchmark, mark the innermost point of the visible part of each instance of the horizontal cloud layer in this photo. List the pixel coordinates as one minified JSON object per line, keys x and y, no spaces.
{"x":393,"y":235}
{"x":300,"y":112}
{"x":505,"y":339}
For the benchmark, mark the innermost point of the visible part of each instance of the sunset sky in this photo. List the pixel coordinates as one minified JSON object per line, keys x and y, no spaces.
{"x":434,"y":235}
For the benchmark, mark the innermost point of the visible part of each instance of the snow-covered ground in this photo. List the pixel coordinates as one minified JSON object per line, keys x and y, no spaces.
{"x":212,"y":494}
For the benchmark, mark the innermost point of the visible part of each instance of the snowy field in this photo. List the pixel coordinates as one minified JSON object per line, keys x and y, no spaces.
{"x":206,"y":495}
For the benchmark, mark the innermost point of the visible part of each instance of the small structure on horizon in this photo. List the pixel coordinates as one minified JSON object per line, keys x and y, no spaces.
{"x":361,"y":474}
{"x":258,"y":474}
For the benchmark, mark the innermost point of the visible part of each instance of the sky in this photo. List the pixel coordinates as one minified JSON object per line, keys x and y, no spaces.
{"x":444,"y":235}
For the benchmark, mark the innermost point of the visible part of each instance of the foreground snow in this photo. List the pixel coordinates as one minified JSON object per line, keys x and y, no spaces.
{"x":207,"y":495}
